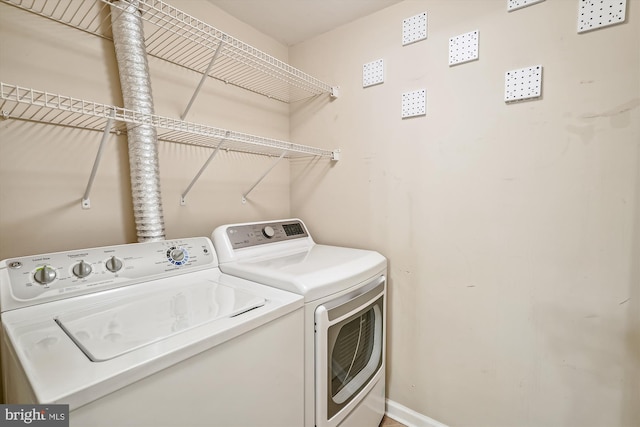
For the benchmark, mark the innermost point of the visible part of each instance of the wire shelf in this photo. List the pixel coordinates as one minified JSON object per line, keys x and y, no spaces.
{"x":181,"y":39}
{"x":44,"y":107}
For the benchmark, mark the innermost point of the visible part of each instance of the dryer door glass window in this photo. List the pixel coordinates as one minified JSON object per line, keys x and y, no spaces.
{"x":352,"y":350}
{"x":355,"y":354}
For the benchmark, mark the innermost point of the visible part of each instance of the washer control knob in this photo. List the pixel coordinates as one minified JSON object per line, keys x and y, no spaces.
{"x":177,"y":254}
{"x":268,"y":232}
{"x":113,"y":264}
{"x":44,"y":275}
{"x":81,"y":269}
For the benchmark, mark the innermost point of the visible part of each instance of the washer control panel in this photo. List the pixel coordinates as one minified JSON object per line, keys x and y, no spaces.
{"x":57,"y":275}
{"x":245,"y":235}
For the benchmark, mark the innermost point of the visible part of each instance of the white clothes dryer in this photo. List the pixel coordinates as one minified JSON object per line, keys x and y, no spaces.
{"x":150,"y":334}
{"x":344,"y":291}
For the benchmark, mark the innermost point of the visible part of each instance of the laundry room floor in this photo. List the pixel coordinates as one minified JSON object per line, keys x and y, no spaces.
{"x":390,"y":422}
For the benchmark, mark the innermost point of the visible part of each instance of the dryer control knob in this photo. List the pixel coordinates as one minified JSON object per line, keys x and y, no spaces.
{"x":113,"y":264}
{"x":44,"y":275}
{"x":81,"y":269}
{"x":268,"y":232}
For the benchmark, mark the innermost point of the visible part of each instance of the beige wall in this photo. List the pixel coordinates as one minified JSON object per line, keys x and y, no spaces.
{"x":44,"y":169}
{"x":511,"y":230}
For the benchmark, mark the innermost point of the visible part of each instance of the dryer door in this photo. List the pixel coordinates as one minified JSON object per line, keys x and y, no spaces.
{"x":349,"y":350}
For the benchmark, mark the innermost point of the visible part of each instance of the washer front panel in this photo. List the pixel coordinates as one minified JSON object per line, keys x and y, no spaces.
{"x":24,"y":283}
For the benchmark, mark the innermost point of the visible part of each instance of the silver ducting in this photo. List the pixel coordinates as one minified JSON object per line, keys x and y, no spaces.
{"x":128,"y":39}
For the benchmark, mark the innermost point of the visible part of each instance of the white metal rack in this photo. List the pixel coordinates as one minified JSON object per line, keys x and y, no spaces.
{"x":38,"y":106}
{"x":176,"y":37}
{"x":181,"y":39}
{"x":43,"y":107}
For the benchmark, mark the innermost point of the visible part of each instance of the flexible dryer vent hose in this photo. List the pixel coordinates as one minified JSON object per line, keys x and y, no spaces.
{"x":131,"y":55}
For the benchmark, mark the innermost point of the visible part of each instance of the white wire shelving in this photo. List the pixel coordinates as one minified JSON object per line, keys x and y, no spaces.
{"x":177,"y":37}
{"x":43,"y":107}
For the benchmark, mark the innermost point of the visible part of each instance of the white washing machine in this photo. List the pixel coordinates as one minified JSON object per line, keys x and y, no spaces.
{"x":344,"y":291}
{"x":150,"y":334}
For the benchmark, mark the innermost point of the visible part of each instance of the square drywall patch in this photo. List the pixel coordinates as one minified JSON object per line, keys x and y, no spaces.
{"x":519,"y":4}
{"x":414,"y":103}
{"x":373,"y":73}
{"x":593,"y":14}
{"x":464,"y":48}
{"x":525,"y":83}
{"x":414,"y":29}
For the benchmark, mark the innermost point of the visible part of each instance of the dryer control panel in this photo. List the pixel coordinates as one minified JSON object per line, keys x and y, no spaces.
{"x":34,"y":279}
{"x":245,"y":235}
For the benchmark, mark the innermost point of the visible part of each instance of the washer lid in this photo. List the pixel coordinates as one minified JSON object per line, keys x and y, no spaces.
{"x":313,"y":272}
{"x":110,"y":329}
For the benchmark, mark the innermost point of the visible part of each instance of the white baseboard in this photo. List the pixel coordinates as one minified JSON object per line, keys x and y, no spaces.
{"x":409,"y":417}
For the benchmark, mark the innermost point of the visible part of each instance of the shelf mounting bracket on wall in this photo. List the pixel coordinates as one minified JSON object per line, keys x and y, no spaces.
{"x":195,"y":178}
{"x":244,"y":196}
{"x":204,"y":77}
{"x":86,"y":202}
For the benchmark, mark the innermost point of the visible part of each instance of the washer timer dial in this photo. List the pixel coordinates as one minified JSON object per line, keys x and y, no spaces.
{"x":177,"y":255}
{"x":44,"y":275}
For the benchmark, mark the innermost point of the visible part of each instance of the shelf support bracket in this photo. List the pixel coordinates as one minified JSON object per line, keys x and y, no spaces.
{"x":183,"y":202}
{"x":244,"y":196}
{"x":204,"y":77}
{"x":86,"y":202}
